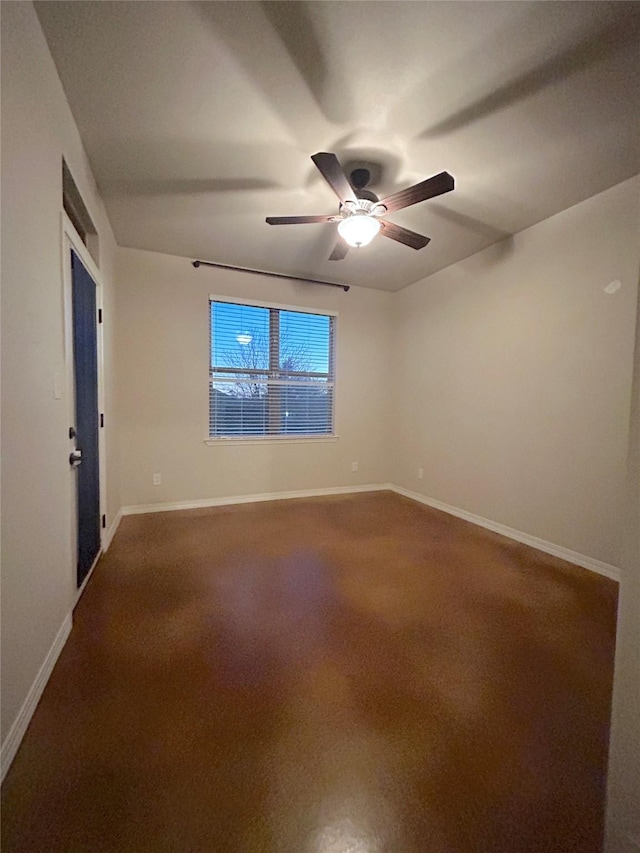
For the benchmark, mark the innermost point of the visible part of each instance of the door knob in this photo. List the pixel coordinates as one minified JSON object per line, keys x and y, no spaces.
{"x":75,"y":458}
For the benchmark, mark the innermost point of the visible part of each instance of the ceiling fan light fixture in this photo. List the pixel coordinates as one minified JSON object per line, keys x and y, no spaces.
{"x":358,"y":213}
{"x":358,"y":230}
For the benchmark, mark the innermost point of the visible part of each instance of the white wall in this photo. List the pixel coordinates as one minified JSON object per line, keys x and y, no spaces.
{"x":38,"y":570}
{"x":513,"y":377}
{"x":623,"y":806}
{"x":163,"y":347}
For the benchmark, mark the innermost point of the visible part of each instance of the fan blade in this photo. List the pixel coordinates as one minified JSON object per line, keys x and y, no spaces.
{"x":340,"y":251}
{"x":437,"y":185}
{"x":331,"y":171}
{"x":403,"y":235}
{"x":298,"y":220}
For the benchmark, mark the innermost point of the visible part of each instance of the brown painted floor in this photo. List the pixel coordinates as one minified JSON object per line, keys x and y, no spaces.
{"x":355,"y":674}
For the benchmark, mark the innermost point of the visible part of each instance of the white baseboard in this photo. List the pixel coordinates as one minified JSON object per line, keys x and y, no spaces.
{"x":111,"y":532}
{"x":21,"y":722}
{"x":574,"y":557}
{"x":16,"y":733}
{"x":140,"y":509}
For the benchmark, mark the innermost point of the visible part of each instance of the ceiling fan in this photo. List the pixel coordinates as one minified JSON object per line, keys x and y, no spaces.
{"x":360,"y":216}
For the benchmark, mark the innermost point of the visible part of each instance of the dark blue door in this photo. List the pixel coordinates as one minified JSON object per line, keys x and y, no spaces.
{"x":86,"y":459}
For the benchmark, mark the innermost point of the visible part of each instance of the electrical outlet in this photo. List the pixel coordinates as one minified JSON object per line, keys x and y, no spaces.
{"x":354,"y":466}
{"x":421,"y":473}
{"x":157,"y":479}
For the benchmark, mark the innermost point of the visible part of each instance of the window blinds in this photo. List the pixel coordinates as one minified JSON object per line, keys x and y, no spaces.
{"x":271,"y":372}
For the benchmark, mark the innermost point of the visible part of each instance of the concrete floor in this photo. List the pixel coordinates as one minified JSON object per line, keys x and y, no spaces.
{"x":353,"y":674}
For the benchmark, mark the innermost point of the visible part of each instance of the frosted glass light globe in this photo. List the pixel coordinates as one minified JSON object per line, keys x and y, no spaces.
{"x":358,"y":230}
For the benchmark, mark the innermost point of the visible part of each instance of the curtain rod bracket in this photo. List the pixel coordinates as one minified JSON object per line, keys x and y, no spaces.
{"x":344,"y":287}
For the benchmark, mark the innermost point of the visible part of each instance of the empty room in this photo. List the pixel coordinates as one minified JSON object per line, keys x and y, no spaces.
{"x":320,"y":427}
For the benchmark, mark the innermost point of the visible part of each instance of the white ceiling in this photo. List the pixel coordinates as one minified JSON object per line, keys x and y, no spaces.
{"x":200,"y":118}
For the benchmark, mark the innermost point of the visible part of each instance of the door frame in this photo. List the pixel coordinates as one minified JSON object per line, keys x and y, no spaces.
{"x":70,"y":240}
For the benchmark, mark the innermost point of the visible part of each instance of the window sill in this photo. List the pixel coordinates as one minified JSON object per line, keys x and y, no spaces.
{"x":273,"y":439}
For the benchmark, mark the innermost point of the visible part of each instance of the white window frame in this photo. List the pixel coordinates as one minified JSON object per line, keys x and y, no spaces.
{"x":217,"y":441}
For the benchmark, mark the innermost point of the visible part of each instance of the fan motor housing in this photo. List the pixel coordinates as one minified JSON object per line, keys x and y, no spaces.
{"x":359,"y":178}
{"x":369,"y":207}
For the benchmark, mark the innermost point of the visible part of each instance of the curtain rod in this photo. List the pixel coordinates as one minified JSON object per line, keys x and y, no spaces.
{"x":344,"y":287}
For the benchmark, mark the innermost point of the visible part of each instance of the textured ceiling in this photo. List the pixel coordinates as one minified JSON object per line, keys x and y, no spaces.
{"x":199,"y":120}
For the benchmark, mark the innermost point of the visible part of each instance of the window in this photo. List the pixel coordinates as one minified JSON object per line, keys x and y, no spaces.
{"x":271,"y":372}
{"x":74,"y":207}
